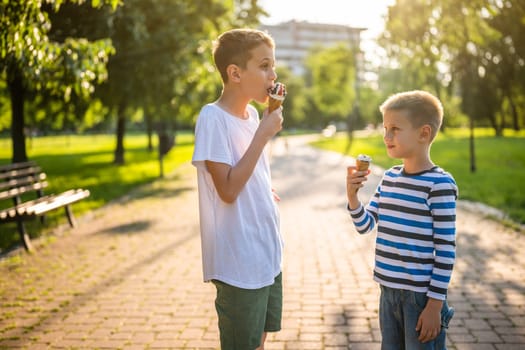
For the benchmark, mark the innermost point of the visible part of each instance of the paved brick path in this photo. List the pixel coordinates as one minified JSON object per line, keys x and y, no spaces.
{"x":130,"y":276}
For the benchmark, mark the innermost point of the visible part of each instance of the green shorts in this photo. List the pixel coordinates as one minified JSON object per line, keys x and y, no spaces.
{"x":244,"y":314}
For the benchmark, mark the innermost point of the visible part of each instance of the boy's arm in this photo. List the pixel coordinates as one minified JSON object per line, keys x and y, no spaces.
{"x":364,"y":219}
{"x":443,"y":206}
{"x":442,"y":201}
{"x":230,"y":180}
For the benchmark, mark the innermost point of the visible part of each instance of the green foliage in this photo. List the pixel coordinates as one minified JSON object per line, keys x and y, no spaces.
{"x":32,"y":63}
{"x":167,"y":47}
{"x":146,"y":58}
{"x":369,"y":102}
{"x":332,"y":80}
{"x":498,"y":181}
{"x":60,"y":68}
{"x":474,"y":49}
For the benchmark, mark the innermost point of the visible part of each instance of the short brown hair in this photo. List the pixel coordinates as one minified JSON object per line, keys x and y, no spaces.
{"x":235,"y":46}
{"x":424,"y":108}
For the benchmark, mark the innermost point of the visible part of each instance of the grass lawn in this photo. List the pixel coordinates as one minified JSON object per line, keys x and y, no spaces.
{"x":85,"y":161}
{"x":499,"y":180}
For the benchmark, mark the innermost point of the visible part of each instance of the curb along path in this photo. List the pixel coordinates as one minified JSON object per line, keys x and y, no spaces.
{"x":129,"y":277}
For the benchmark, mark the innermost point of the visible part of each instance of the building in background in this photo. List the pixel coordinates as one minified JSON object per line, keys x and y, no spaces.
{"x":294,"y":39}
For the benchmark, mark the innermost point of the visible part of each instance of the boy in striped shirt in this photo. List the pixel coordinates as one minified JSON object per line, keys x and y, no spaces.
{"x":414,"y":210}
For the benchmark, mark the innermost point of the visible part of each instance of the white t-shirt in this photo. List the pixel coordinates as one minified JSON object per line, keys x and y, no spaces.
{"x":241,"y":241}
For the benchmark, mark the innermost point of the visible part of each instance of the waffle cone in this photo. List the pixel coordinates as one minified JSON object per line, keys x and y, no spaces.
{"x":361,"y":165}
{"x":273,"y":104}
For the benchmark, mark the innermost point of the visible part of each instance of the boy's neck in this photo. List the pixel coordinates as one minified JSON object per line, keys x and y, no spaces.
{"x":233,"y":104}
{"x":418,"y":163}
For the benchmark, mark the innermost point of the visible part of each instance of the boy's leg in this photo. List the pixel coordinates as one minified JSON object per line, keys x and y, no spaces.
{"x":244,"y":314}
{"x":263,"y":339}
{"x":274,"y":311}
{"x":275,"y":306}
{"x":391,"y":319}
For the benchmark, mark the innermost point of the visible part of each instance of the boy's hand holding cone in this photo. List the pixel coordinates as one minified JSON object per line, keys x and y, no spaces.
{"x":353,"y":181}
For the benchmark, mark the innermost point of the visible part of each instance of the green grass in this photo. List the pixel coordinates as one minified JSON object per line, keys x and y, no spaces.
{"x":499,"y":180}
{"x":86,"y":161}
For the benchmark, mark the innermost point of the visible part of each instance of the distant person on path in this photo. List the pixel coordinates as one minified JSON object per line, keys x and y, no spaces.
{"x":414,"y":210}
{"x":239,"y":217}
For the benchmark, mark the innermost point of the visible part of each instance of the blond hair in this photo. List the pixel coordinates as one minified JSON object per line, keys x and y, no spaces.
{"x":235,"y":46}
{"x":423,"y":107}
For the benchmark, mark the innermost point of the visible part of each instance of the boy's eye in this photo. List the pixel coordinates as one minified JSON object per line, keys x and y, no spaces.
{"x":391,"y":129}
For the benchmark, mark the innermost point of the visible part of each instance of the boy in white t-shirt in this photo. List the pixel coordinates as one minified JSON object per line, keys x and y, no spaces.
{"x":239,"y":218}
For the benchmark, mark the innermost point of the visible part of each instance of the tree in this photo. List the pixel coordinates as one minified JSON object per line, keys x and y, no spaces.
{"x":161,"y":63}
{"x":331,"y":80}
{"x":410,"y":42}
{"x":30,"y":61}
{"x":453,"y":44}
{"x":474,"y":48}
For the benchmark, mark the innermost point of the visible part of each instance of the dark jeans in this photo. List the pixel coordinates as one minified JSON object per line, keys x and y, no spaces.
{"x":399,"y":311}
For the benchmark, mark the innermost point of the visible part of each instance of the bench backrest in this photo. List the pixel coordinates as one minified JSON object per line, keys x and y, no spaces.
{"x":19,"y":178}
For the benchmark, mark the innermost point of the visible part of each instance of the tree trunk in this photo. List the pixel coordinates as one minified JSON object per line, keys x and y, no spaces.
{"x":149,"y":128}
{"x":350,"y":131}
{"x":472,"y":149}
{"x":121,"y":129}
{"x":514,"y":110}
{"x":16,"y":92}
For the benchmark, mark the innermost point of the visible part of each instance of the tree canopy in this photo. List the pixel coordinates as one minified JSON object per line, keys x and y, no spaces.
{"x":30,"y":61}
{"x":471,"y":48}
{"x":70,"y":65}
{"x":116,"y":57}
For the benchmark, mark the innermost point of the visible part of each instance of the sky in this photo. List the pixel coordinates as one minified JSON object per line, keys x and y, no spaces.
{"x":355,"y":13}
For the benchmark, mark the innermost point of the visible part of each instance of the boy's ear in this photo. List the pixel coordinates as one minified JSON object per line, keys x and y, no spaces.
{"x":425,"y":133}
{"x":234,"y":73}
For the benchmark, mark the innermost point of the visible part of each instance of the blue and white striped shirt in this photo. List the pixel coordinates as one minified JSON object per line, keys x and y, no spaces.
{"x":415,"y":215}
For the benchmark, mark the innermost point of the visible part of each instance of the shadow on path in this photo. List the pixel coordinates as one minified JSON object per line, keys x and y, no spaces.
{"x":58,"y":316}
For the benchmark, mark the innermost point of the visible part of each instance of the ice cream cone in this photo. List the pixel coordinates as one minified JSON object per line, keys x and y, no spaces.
{"x":362,"y":162}
{"x":273,"y":104}
{"x":277,"y":95}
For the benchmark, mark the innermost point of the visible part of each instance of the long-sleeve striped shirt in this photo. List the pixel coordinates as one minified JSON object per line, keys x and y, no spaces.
{"x":415,"y":215}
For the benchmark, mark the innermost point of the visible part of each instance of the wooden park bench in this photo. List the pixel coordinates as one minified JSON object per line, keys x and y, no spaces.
{"x":24,"y":184}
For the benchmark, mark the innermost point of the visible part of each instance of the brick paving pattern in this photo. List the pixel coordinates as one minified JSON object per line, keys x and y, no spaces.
{"x":129,"y":277}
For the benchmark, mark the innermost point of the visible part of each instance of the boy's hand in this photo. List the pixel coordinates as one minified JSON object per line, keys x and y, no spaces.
{"x":275,"y":196}
{"x":271,"y":123}
{"x":429,"y":322}
{"x":354,"y":181}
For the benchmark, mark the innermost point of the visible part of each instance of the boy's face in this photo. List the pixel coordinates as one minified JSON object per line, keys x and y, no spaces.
{"x":259,"y":74}
{"x":401,"y":138}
